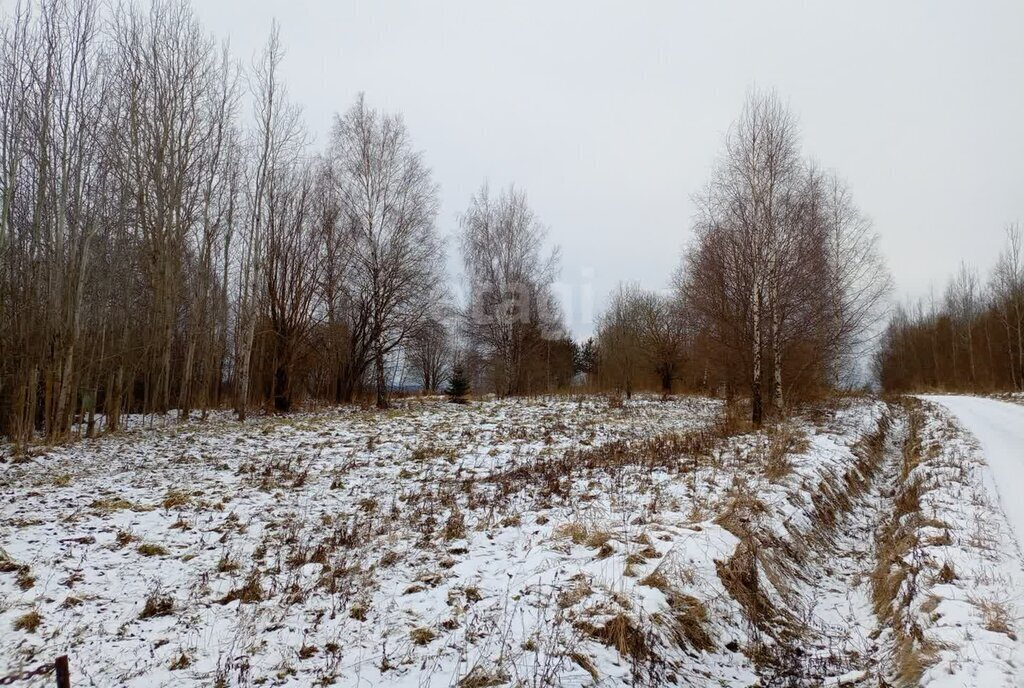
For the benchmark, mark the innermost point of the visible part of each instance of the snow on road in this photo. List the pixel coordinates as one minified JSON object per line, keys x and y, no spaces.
{"x":999,"y":428}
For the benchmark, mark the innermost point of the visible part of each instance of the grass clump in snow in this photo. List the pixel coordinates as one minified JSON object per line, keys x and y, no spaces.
{"x":175,"y":498}
{"x":946,"y":574}
{"x":148,"y":549}
{"x":575,"y":531}
{"x":689,"y":616}
{"x":182,"y":661}
{"x":157,"y":604}
{"x":250,"y":592}
{"x":358,"y":611}
{"x":621,"y":633}
{"x":23,"y":572}
{"x":482,"y":677}
{"x":455,"y":527}
{"x":996,"y":617}
{"x":783,"y":442}
{"x":422,"y":635}
{"x":28,"y":622}
{"x":110,"y":504}
{"x":571,"y":596}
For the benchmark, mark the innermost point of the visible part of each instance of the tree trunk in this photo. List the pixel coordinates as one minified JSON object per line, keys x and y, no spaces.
{"x":756,"y":402}
{"x":382,"y":389}
{"x":243,"y":368}
{"x":776,"y":353}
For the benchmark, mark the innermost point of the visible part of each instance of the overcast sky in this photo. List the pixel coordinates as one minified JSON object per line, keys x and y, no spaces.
{"x":610,"y":115}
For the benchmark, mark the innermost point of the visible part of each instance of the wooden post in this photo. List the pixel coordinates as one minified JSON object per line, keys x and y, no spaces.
{"x":63,"y":672}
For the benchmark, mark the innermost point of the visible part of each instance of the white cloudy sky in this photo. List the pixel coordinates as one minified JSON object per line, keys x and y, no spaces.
{"x":610,"y":114}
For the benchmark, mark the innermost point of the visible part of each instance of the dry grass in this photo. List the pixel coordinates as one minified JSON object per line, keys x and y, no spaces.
{"x":742,"y":509}
{"x":183,"y":661}
{"x":690,"y":618}
{"x":151,"y":550}
{"x":28,"y":622}
{"x":481,"y":677}
{"x":573,"y":595}
{"x":250,"y":592}
{"x":111,"y":504}
{"x":996,"y":617}
{"x":358,"y":611}
{"x":584,"y":663}
{"x":24,"y":578}
{"x":422,"y":635}
{"x":455,"y":526}
{"x":739,"y":576}
{"x":894,"y":580}
{"x":180,"y":662}
{"x":157,"y":604}
{"x":784,"y":441}
{"x":175,"y":498}
{"x":621,"y":633}
{"x":575,"y":531}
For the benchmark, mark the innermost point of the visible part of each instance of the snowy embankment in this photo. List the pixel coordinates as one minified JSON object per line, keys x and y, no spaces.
{"x":998,"y":428}
{"x":522,"y":542}
{"x":951,"y":570}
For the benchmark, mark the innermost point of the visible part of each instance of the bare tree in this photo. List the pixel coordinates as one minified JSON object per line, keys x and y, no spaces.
{"x":290,"y":275}
{"x":783,"y":261}
{"x":858,"y":280}
{"x":642,"y":337}
{"x":152,"y":250}
{"x":1008,"y":285}
{"x":619,"y":340}
{"x":664,"y":337}
{"x":50,"y":206}
{"x":962,"y":304}
{"x":278,"y":142}
{"x":511,"y":308}
{"x":389,"y":203}
{"x":429,"y":354}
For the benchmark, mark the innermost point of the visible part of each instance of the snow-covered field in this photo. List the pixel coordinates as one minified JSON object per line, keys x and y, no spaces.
{"x":556,"y":541}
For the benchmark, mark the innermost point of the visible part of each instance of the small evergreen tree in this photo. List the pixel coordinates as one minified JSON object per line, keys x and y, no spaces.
{"x":458,"y":385}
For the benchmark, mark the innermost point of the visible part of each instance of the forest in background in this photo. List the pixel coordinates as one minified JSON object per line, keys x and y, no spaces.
{"x":971,"y":339}
{"x":171,"y":240}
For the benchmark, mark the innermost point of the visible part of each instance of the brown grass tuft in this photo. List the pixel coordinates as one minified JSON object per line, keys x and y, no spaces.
{"x":422,"y":635}
{"x":584,"y":663}
{"x":621,"y":633}
{"x":946,"y":573}
{"x":151,"y":550}
{"x":28,"y":622}
{"x":250,"y":592}
{"x":480,"y":677}
{"x":455,"y":527}
{"x":175,"y":498}
{"x":996,"y":617}
{"x":157,"y":605}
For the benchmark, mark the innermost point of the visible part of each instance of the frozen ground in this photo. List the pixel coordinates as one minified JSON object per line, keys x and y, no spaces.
{"x":525,"y":543}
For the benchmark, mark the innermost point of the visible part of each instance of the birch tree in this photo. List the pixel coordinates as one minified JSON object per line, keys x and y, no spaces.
{"x":511,"y":306}
{"x":388,"y":201}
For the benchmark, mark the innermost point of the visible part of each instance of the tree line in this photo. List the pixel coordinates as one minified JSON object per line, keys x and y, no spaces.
{"x":171,"y":239}
{"x":971,"y":339}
